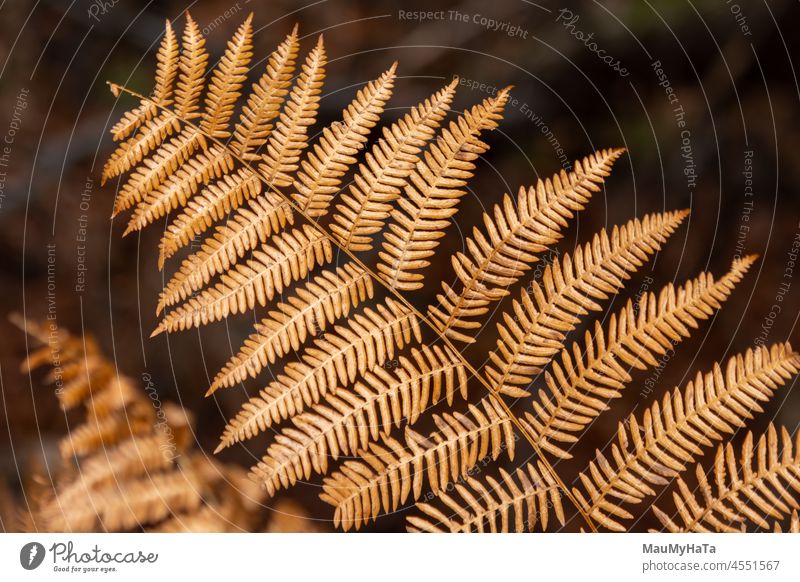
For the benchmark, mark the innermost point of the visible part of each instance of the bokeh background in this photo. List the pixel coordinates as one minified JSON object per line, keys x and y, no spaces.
{"x":727,"y":66}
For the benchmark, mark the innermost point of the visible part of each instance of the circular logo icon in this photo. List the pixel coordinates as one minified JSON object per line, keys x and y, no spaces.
{"x":31,"y":555}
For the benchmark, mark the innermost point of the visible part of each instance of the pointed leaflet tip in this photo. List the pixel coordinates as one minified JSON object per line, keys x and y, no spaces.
{"x":749,"y":259}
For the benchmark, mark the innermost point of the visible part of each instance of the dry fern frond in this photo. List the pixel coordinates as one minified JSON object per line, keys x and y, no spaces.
{"x":335,"y":391}
{"x":180,"y":186}
{"x":192,"y":66}
{"x":368,"y":341}
{"x":512,"y":241}
{"x":363,"y":211}
{"x":130,"y":465}
{"x":156,"y":169}
{"x":216,"y":202}
{"x":134,"y":457}
{"x":193,"y":63}
{"x":153,"y":125}
{"x":250,"y":228}
{"x":119,"y":393}
{"x":59,"y":349}
{"x":230,"y":502}
{"x":166,"y":71}
{"x":225,"y":84}
{"x":388,"y":474}
{"x":102,"y":432}
{"x":289,"y":138}
{"x":534,"y":329}
{"x":321,"y":172}
{"x":744,"y":493}
{"x":432,"y":194}
{"x":582,"y":382}
{"x":120,"y":507}
{"x":343,"y":424}
{"x":409,"y":390}
{"x":134,"y":149}
{"x":266,"y":98}
{"x":78,"y":377}
{"x":671,"y":435}
{"x":531,"y":497}
{"x":327,"y":298}
{"x":290,"y":257}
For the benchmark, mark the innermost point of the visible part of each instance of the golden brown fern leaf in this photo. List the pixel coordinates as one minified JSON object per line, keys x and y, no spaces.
{"x":193,"y":63}
{"x":513,"y":239}
{"x":226,"y":82}
{"x":192,"y":66}
{"x":249,"y":229}
{"x":389,"y":163}
{"x":349,"y":420}
{"x":744,"y":492}
{"x":166,"y":71}
{"x":367,"y":342}
{"x":133,"y":150}
{"x":123,"y":506}
{"x":129,"y":461}
{"x":251,"y":132}
{"x":388,"y":474}
{"x":656,"y":448}
{"x":180,"y":186}
{"x":387,"y":166}
{"x":223,"y":92}
{"x":530,"y":498}
{"x":287,"y":258}
{"x":146,"y":184}
{"x":328,"y":297}
{"x":217,"y":201}
{"x":432,"y":194}
{"x":289,"y":138}
{"x":133,"y":457}
{"x":59,"y":349}
{"x":80,"y":378}
{"x":157,"y":167}
{"x":579,"y":386}
{"x":533,"y":331}
{"x":320,"y":174}
{"x":231,"y":502}
{"x":391,"y":398}
{"x":102,"y":432}
{"x":117,"y":394}
{"x":265,"y":100}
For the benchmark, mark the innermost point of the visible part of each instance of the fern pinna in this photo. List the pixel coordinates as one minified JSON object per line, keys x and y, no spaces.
{"x":273,"y":210}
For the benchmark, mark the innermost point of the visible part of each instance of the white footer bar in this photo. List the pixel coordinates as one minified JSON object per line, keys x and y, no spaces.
{"x":400,"y":557}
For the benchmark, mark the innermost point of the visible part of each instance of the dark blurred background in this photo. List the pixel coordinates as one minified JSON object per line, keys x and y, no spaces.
{"x":704,"y":95}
